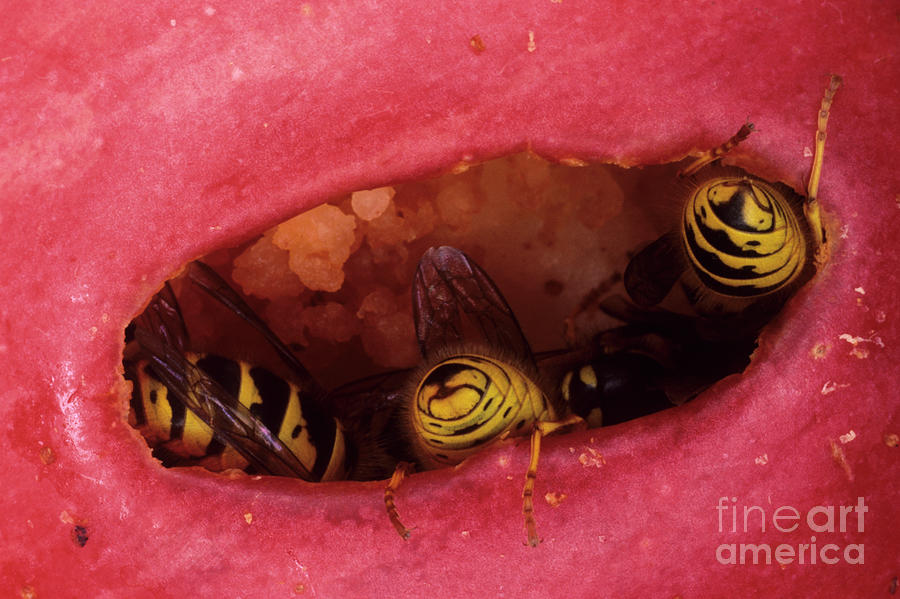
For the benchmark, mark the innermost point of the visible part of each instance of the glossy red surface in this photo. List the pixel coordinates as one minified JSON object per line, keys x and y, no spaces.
{"x":137,"y":137}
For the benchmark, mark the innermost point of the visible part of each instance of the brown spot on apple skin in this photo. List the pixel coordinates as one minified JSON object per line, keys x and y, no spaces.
{"x":891,"y":440}
{"x":837,"y":454}
{"x":592,"y":458}
{"x":819,"y":351}
{"x":47,"y":456}
{"x":80,"y":535}
{"x":554,"y":498}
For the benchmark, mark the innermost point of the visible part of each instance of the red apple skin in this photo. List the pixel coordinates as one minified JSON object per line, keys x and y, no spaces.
{"x":136,"y":138}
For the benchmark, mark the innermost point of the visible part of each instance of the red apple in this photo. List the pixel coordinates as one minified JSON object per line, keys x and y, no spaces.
{"x":137,"y":137}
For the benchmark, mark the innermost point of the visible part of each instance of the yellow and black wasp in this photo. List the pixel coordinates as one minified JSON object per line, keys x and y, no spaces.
{"x":656,"y":360}
{"x":195,"y":408}
{"x":743,"y":245}
{"x":480,"y":382}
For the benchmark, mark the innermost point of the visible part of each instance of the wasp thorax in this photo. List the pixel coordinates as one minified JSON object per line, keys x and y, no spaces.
{"x":742,"y":238}
{"x":741,"y":204}
{"x":467,"y":401}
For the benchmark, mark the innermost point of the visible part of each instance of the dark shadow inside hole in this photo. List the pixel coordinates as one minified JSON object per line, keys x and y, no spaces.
{"x":334,"y":284}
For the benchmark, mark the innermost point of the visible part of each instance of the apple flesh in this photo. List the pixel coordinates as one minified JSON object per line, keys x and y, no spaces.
{"x":138,"y":139}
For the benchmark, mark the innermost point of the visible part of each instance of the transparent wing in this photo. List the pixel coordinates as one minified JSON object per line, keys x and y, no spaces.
{"x":455,"y":303}
{"x":232,"y":422}
{"x":215,"y":286}
{"x":162,"y":318}
{"x":654,"y":270}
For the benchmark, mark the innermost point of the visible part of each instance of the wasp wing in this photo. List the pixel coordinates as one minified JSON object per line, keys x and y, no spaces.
{"x":651,"y":274}
{"x":232,"y":422}
{"x":163,"y":318}
{"x":215,"y":286}
{"x":455,"y":303}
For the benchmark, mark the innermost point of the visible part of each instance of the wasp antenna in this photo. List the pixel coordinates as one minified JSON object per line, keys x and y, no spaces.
{"x":812,"y":190}
{"x":711,"y":156}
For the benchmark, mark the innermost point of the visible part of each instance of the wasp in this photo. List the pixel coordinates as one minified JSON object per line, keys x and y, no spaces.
{"x":743,"y":245}
{"x":202,"y":408}
{"x":480,"y":382}
{"x":657,"y":360}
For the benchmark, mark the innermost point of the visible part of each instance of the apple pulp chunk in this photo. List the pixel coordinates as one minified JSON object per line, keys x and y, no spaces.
{"x":335,"y":282}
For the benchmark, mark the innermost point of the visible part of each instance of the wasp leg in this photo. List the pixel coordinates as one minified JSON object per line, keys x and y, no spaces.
{"x":400,"y":472}
{"x":812,"y":206}
{"x":528,"y":491}
{"x":541,"y":429}
{"x":716,"y":153}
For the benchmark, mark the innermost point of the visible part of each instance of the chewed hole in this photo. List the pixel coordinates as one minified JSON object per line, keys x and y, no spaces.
{"x":335,"y":284}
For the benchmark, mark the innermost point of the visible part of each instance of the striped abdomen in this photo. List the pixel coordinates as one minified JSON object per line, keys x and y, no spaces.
{"x":614,"y":388}
{"x":467,"y":401}
{"x":315,"y":438}
{"x":742,"y":237}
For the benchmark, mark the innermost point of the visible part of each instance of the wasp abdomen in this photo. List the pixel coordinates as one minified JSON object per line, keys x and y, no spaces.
{"x":742,"y":236}
{"x":614,"y":388}
{"x":467,"y":401}
{"x":297,"y":420}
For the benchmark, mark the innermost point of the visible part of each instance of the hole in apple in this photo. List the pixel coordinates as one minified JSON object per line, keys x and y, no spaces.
{"x":546,"y":233}
{"x":334,"y":283}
